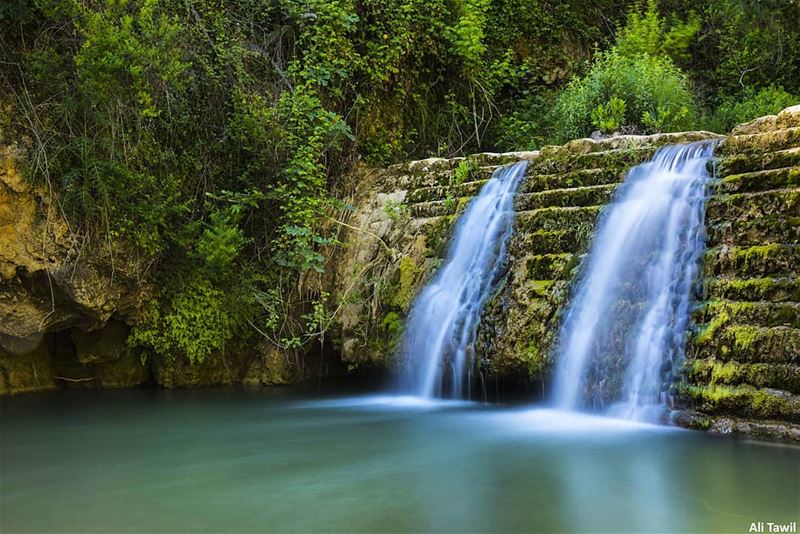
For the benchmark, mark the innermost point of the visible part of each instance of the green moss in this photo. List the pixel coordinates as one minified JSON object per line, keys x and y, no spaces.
{"x":753,"y":262}
{"x":760,"y":180}
{"x":744,"y":336}
{"x":541,"y":288}
{"x":757,"y":252}
{"x":548,"y":266}
{"x":754,"y":289}
{"x":757,"y":313}
{"x":535,"y":358}
{"x":743,"y":400}
{"x":408,"y":275}
{"x":708,"y":331}
{"x":555,"y":219}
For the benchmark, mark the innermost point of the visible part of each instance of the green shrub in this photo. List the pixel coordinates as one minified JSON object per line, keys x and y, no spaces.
{"x":647,"y":32}
{"x":609,"y":117}
{"x":751,"y":104}
{"x":655,"y":94}
{"x":196,"y":320}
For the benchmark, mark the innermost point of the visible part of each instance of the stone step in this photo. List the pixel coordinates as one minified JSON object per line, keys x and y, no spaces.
{"x":762,"y":231}
{"x":751,"y":313}
{"x":755,"y":261}
{"x":436,"y":178}
{"x":548,"y":242}
{"x":439,"y":208}
{"x":619,"y":151}
{"x":743,"y":401}
{"x":441,"y":192}
{"x":762,"y":142}
{"x":761,"y":180}
{"x":535,"y":182}
{"x":780,"y":431}
{"x":553,"y":219}
{"x":548,"y":266}
{"x":575,"y":197}
{"x":561,"y":160}
{"x":749,"y":206}
{"x":732,"y":164}
{"x":731,"y":373}
{"x":754,"y":289}
{"x":453,"y":205}
{"x":744,"y":343}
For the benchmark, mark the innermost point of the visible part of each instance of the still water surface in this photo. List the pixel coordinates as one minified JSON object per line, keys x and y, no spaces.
{"x":160,"y":461}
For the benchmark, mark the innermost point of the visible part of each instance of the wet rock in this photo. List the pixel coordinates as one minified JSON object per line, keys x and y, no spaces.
{"x":272,"y":367}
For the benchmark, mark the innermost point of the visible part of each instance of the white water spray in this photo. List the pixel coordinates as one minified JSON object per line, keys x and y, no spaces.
{"x":626,"y":327}
{"x":441,"y":327}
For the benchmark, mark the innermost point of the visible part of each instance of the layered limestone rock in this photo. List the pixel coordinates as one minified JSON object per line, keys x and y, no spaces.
{"x":53,"y":280}
{"x":743,"y":375}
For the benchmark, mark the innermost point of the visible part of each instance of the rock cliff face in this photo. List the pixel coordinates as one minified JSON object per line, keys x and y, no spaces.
{"x":55,"y":287}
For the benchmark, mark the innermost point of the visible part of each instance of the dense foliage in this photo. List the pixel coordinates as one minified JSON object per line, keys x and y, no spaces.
{"x":215,"y":138}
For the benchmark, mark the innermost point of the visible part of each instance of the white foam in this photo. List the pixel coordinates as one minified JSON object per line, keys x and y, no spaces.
{"x":401,"y":402}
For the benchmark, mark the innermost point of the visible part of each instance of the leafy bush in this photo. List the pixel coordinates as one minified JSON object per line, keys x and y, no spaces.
{"x":751,"y":104}
{"x":651,"y":95}
{"x":647,"y":32}
{"x":609,"y":117}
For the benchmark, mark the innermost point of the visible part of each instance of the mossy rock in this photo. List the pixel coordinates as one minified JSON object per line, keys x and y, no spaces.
{"x":579,"y":196}
{"x":780,"y":431}
{"x":788,"y":118}
{"x":536,"y":182}
{"x":104,"y":344}
{"x":403,"y":288}
{"x":554,"y":219}
{"x":28,"y":371}
{"x":749,"y":206}
{"x":549,"y":266}
{"x":754,"y":289}
{"x":778,"y":229}
{"x":754,"y":261}
{"x":747,"y":343}
{"x":751,"y":313}
{"x":761,"y":180}
{"x":732,"y":373}
{"x":733,"y":164}
{"x":125,"y":371}
{"x":550,"y":242}
{"x":214,"y":370}
{"x":272,"y":366}
{"x":744,"y":400}
{"x":428,"y":194}
{"x":767,"y":141}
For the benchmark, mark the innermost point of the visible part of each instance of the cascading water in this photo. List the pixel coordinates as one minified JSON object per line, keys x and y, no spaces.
{"x":627,"y":324}
{"x":441,"y":327}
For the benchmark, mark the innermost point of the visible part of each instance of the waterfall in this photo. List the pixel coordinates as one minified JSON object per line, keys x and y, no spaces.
{"x":625,"y":330}
{"x":441,"y":327}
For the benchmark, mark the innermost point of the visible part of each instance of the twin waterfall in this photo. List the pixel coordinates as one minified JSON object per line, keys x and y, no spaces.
{"x":624,"y":332}
{"x":441,"y":327}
